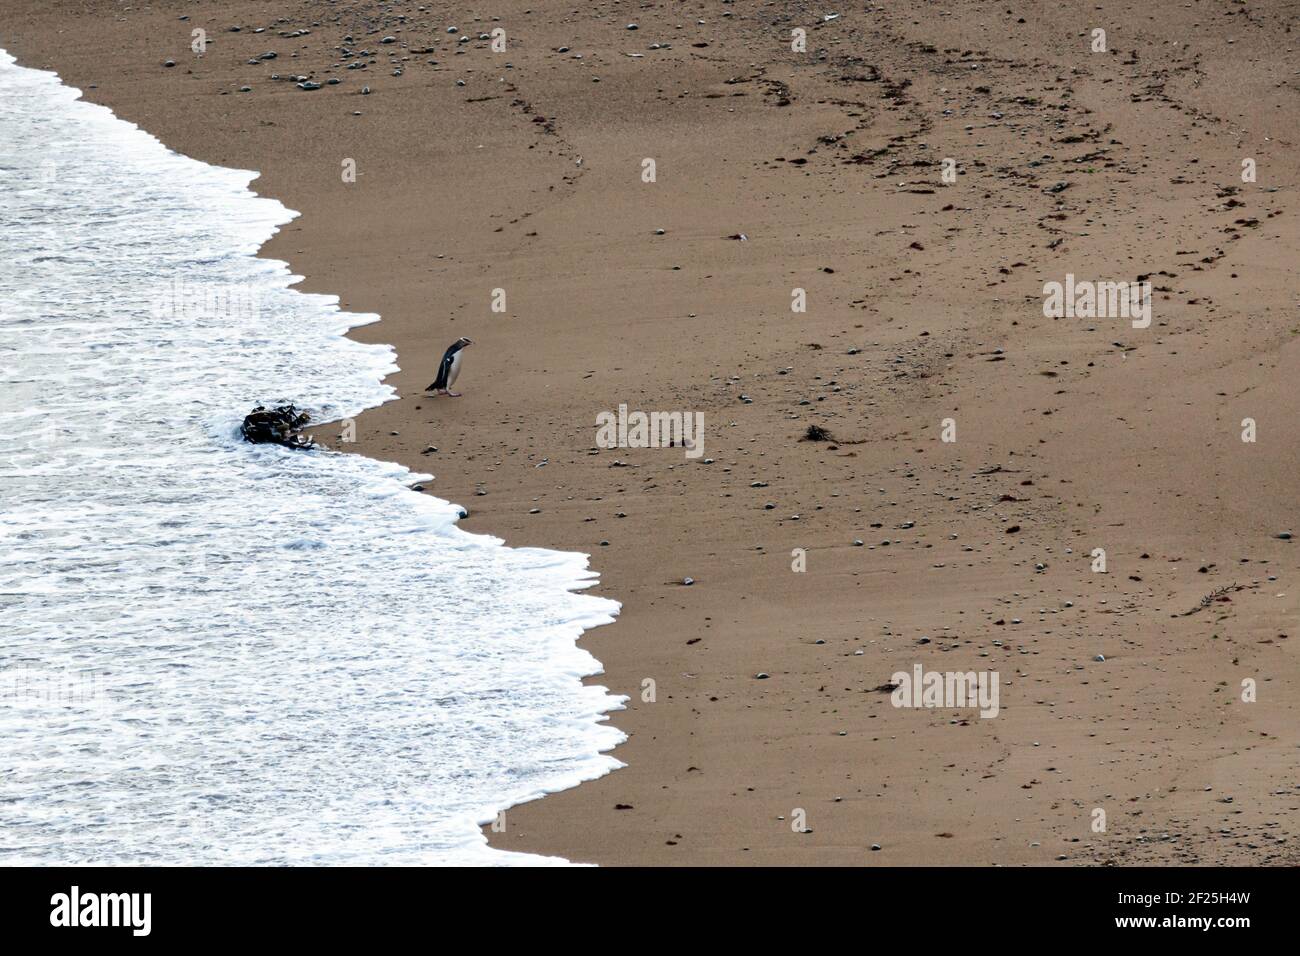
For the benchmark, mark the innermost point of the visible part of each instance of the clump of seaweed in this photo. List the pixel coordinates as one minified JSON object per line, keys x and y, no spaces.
{"x":278,"y":426}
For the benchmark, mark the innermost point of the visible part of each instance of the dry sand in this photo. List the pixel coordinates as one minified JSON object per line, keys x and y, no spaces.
{"x":924,"y":302}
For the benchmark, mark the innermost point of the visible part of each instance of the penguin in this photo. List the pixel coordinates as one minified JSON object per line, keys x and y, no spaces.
{"x":449,"y":369}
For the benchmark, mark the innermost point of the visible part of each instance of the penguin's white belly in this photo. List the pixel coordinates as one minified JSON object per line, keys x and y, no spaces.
{"x":454,"y":371}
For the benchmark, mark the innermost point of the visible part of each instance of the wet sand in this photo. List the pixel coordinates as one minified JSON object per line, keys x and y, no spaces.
{"x":924,"y":303}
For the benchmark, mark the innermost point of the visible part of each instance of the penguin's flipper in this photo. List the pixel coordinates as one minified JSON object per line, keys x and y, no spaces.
{"x":444,"y":367}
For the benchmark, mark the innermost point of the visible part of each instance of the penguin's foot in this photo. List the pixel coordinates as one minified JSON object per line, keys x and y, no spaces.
{"x":451,"y":394}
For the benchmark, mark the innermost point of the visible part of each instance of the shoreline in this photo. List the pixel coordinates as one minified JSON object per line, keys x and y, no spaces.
{"x":912,"y":293}
{"x":288,"y":655}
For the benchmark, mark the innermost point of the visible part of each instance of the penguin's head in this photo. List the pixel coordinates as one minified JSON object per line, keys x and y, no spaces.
{"x":464,"y":341}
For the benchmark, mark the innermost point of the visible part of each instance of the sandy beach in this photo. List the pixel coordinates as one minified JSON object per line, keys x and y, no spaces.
{"x":974,"y":453}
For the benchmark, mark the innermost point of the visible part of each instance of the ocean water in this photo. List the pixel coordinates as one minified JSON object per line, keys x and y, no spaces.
{"x":218,"y":653}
